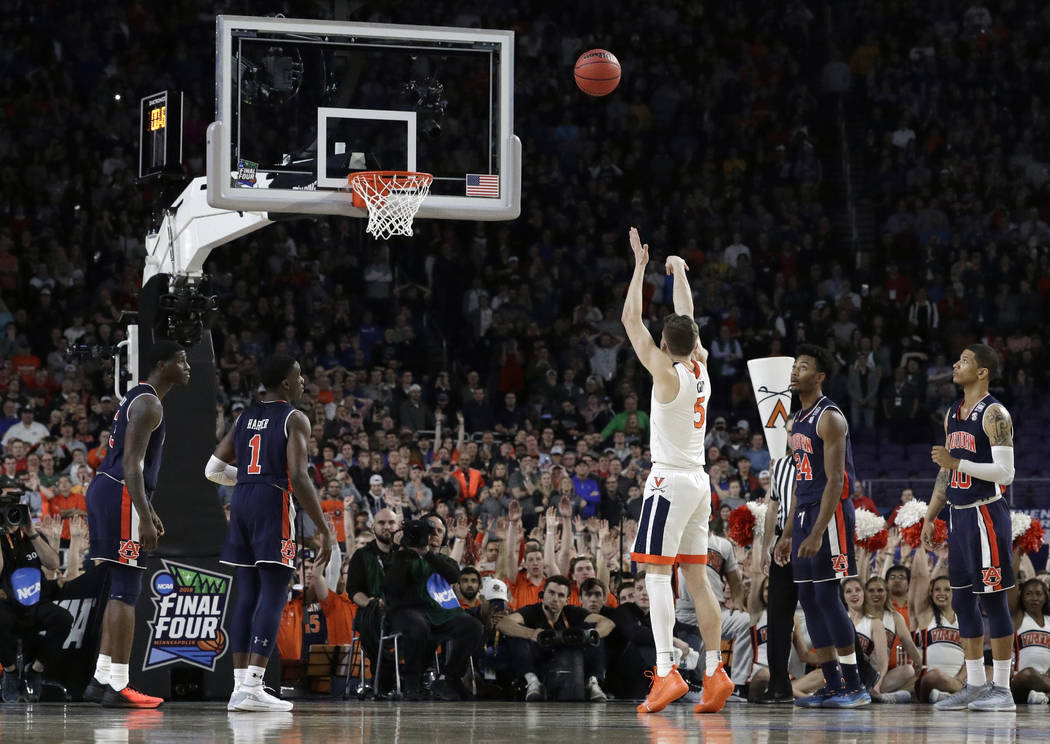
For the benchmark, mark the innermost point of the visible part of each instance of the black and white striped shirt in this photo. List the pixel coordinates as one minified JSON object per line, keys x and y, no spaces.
{"x":781,"y":485}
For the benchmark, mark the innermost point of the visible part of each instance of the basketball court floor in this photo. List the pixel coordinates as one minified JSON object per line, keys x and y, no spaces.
{"x":476,"y":723}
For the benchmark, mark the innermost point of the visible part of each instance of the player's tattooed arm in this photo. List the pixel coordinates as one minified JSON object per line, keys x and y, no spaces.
{"x":940,"y":486}
{"x":998,"y":427}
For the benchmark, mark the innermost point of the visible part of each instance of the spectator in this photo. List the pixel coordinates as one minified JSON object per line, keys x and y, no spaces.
{"x":424,"y":608}
{"x":758,"y":454}
{"x":524,"y":626}
{"x":28,"y":429}
{"x":619,"y":421}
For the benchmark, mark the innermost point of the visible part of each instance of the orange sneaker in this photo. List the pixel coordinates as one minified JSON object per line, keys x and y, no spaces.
{"x":717,"y":689}
{"x":665,"y":690}
{"x":128,"y":698}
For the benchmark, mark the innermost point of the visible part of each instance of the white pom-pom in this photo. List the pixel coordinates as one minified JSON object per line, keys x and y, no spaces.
{"x":868,"y":524}
{"x":758,"y":510}
{"x":1019,"y":524}
{"x":910,"y":513}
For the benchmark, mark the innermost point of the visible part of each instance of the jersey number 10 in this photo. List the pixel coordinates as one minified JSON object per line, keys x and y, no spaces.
{"x":961,"y":480}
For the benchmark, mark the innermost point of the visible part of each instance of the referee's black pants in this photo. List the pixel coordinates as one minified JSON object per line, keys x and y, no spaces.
{"x":783,"y":597}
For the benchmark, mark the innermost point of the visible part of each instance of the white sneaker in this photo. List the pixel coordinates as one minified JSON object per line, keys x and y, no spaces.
{"x":235,"y":699}
{"x":937,"y":696}
{"x":534,"y":692}
{"x":1036,"y":698}
{"x":595,"y":693}
{"x":257,"y":699}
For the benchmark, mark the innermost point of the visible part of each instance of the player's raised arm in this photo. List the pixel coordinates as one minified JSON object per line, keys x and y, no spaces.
{"x":654,"y":360}
{"x":683,"y":296}
{"x":683,"y":299}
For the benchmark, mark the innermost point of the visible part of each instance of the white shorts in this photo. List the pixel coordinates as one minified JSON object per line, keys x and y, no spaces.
{"x":676,"y":510}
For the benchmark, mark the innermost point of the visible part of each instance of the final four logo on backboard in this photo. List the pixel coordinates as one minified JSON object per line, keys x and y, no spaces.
{"x":188,"y":620}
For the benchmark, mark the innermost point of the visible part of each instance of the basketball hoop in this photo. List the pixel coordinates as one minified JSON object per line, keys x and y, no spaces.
{"x":392,"y":199}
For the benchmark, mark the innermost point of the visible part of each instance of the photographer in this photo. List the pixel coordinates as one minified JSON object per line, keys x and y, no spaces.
{"x":24,"y":613}
{"x":423,"y":607}
{"x":534,"y":632}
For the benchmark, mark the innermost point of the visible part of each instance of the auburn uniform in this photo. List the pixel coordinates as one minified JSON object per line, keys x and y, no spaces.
{"x":835,"y":560}
{"x":979,"y":530}
{"x":113,"y":522}
{"x":677,"y":502}
{"x":262,"y":517}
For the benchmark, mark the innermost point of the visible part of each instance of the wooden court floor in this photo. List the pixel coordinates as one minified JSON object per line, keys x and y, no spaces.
{"x":314,"y":722}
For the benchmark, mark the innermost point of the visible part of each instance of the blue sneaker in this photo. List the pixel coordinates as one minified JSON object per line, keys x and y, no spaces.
{"x":816,"y":700}
{"x":854,"y":699}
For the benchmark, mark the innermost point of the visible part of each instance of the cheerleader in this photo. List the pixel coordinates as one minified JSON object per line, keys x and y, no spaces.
{"x":868,"y":623}
{"x":1031,"y":616}
{"x":900,"y":674}
{"x":937,"y":636}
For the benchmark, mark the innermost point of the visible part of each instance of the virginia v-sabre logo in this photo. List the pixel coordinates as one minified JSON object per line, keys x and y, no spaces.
{"x":187,"y":625}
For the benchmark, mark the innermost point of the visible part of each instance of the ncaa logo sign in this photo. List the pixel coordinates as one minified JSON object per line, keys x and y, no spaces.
{"x":189,"y":612}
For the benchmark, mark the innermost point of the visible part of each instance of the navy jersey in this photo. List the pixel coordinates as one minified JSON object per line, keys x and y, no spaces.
{"x":260,"y":442}
{"x":967,"y":440}
{"x":807,"y":449}
{"x":113,"y":464}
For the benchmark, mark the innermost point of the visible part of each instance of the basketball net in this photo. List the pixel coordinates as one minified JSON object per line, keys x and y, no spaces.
{"x":392,"y":199}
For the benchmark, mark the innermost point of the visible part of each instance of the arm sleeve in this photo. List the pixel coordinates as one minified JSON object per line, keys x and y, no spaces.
{"x":219,"y":472}
{"x":1000,"y":470}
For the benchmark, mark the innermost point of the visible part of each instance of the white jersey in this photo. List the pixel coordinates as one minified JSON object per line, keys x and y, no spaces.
{"x":1033,"y":645}
{"x":677,"y":428}
{"x":863,"y":627}
{"x":940,"y":646}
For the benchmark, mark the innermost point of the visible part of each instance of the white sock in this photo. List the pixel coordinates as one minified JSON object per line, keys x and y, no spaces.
{"x":102,"y":667}
{"x":253,"y":677}
{"x":661,"y":614}
{"x":975,"y":673}
{"x":711,"y":661}
{"x":850,"y":658}
{"x":937,"y":696}
{"x":1036,"y":698}
{"x":1001,"y":672}
{"x":238,"y":678}
{"x":118,"y":676}
{"x":532,"y":679}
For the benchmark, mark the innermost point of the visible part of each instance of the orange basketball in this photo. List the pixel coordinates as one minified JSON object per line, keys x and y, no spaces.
{"x":597,"y":72}
{"x":216,"y":645}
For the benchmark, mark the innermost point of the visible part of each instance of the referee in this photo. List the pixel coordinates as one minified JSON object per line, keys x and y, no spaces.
{"x":783,"y":596}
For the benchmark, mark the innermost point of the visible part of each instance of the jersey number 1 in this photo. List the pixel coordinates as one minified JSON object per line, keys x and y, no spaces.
{"x":256,"y":444}
{"x":698,"y":409}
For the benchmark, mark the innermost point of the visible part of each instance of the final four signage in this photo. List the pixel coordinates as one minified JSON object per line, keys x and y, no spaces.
{"x":187,"y":625}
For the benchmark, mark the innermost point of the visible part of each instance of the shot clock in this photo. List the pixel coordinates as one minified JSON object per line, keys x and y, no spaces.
{"x":160,"y":133}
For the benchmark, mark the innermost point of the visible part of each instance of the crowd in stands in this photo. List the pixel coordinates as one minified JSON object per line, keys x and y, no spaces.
{"x":478,"y":373}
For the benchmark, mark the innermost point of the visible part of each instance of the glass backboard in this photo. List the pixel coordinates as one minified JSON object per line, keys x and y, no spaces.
{"x":301,"y":105}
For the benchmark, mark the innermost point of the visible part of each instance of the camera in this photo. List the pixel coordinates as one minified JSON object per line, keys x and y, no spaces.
{"x":567,"y":638}
{"x":13,"y":513}
{"x":416,"y":534}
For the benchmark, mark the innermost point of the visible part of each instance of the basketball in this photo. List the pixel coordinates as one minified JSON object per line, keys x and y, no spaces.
{"x":597,"y":72}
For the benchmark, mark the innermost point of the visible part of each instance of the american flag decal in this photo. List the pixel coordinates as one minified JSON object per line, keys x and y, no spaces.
{"x":483,"y":185}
